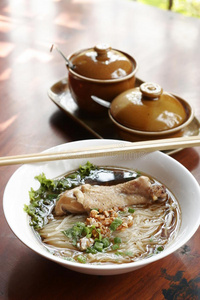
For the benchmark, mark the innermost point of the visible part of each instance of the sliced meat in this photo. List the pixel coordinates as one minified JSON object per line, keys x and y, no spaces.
{"x":86,"y":197}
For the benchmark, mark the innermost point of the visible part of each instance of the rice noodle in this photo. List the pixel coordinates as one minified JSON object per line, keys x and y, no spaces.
{"x":153,"y":226}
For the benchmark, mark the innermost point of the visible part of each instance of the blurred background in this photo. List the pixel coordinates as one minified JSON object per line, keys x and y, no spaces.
{"x":185,"y":7}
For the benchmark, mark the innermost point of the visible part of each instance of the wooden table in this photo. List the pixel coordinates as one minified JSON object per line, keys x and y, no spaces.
{"x":166,"y":46}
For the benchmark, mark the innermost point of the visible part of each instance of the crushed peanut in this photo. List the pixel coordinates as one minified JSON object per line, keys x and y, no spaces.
{"x":103,"y":219}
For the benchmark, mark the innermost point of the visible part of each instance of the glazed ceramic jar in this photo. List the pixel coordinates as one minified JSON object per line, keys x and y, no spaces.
{"x":147,"y":110}
{"x":100,"y":71}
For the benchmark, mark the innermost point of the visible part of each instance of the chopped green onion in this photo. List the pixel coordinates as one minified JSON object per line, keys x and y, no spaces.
{"x":105,"y":242}
{"x":117,"y":240}
{"x":115,"y":246}
{"x":98,"y":246}
{"x":69,"y":259}
{"x":87,"y":231}
{"x":91,"y":250}
{"x":99,"y":232}
{"x":151,"y":239}
{"x":115,"y":223}
{"x":126,"y":253}
{"x":131,"y":210}
{"x":160,"y":249}
{"x":81,"y":259}
{"x":75,"y":232}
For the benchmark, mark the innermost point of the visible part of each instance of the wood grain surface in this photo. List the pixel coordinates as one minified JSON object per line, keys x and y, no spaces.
{"x":166,"y":46}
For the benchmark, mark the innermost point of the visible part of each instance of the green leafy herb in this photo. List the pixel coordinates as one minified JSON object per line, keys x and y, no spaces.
{"x":115,"y":223}
{"x":44,"y":198}
{"x":86,"y":169}
{"x":45,"y":183}
{"x":41,"y":201}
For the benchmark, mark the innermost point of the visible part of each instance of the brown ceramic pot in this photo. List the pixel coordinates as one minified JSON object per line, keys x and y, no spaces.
{"x":149,"y":112}
{"x":102,"y":72}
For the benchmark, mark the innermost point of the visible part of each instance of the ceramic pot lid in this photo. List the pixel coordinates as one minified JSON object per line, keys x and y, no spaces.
{"x":148,"y":108}
{"x":102,"y":62}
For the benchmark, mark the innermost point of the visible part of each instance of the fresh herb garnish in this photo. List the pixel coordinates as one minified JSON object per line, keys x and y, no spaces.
{"x":115,"y":224}
{"x":80,"y":230}
{"x":44,"y":198}
{"x":117,"y":242}
{"x":91,"y":250}
{"x":86,"y":169}
{"x":98,"y":246}
{"x":106,"y":242}
{"x":75,"y":233}
{"x":125,"y":253}
{"x":81,"y":259}
{"x":115,"y":246}
{"x":159,"y":249}
{"x":41,"y":201}
{"x":151,"y":239}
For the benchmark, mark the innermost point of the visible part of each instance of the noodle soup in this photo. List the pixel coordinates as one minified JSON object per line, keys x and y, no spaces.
{"x":115,"y":235}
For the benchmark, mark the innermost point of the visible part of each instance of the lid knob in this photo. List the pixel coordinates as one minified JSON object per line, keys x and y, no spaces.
{"x":151,"y":90}
{"x":102,"y":51}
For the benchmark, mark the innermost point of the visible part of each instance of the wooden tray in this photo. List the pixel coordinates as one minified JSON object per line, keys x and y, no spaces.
{"x":101,"y":127}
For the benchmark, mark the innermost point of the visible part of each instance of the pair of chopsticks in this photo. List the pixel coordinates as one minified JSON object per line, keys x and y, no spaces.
{"x":109,"y":150}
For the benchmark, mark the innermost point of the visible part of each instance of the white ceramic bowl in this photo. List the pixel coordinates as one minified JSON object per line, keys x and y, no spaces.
{"x":162,"y":167}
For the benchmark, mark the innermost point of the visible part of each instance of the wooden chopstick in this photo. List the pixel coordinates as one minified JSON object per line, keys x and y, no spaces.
{"x":109,"y":150}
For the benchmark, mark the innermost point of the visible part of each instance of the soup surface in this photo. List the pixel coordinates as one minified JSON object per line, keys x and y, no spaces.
{"x":119,"y":234}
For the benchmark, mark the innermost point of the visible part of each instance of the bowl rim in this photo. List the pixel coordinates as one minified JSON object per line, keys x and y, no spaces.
{"x":190,"y":116}
{"x":101,"y":81}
